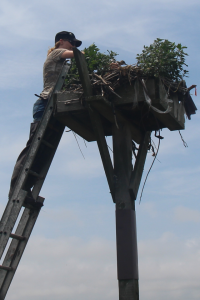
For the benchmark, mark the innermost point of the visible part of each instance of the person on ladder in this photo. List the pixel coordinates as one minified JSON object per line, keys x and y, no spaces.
{"x":63,"y":49}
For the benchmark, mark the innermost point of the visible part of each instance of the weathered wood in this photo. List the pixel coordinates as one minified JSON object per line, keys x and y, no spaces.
{"x":17,"y":248}
{"x":134,"y":96}
{"x":17,"y":237}
{"x":132,"y":108}
{"x":127,"y":257}
{"x":103,"y":149}
{"x":78,"y":127}
{"x":126,"y":238}
{"x":69,"y":111}
{"x":136,"y":175}
{"x":68,"y":106}
{"x":173,"y":120}
{"x":104,"y":107}
{"x":128,"y":288}
{"x":68,"y":102}
{"x":9,"y":218}
{"x":122,"y":156}
{"x":46,"y":161}
{"x":130,"y":94}
{"x":95,"y":120}
{"x":83,"y":72}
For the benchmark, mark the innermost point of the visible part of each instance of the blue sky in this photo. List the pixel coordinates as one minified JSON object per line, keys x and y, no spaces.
{"x":72,"y":252}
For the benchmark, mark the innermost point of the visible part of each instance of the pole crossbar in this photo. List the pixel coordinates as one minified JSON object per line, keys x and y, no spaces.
{"x":95,"y":120}
{"x":136,"y":175}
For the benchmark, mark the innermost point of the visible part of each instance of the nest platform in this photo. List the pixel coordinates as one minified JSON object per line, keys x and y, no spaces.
{"x":132,"y":108}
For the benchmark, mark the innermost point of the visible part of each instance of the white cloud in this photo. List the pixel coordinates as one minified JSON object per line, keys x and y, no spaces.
{"x":27,"y":29}
{"x":81,"y":160}
{"x":76,"y":269}
{"x":149,"y":208}
{"x":18,"y":71}
{"x":169,"y":269}
{"x":185,"y":214}
{"x":66,"y":268}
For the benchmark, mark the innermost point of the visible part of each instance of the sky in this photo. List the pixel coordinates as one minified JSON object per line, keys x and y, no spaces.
{"x":72,"y":251}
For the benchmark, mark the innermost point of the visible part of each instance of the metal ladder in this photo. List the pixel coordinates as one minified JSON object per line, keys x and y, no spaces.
{"x":32,"y":176}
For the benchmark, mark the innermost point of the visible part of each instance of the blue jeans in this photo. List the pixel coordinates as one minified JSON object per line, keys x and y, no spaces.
{"x":38,"y":109}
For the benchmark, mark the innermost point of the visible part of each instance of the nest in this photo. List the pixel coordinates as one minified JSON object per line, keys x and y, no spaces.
{"x":107,"y":84}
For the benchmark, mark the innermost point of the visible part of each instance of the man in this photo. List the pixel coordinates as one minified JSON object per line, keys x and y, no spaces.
{"x":63,"y":49}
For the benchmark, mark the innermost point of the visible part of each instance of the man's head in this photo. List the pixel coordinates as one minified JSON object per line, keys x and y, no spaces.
{"x":69,"y":36}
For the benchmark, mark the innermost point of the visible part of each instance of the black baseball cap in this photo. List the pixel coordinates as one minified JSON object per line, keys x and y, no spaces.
{"x":66,"y":35}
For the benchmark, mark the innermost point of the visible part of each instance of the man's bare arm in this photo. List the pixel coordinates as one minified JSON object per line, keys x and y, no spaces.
{"x":69,"y":54}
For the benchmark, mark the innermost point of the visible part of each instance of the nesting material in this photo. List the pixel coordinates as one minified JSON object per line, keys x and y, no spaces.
{"x":124,"y":93}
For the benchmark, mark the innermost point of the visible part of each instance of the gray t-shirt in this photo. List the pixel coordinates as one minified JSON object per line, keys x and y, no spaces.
{"x":51,"y":70}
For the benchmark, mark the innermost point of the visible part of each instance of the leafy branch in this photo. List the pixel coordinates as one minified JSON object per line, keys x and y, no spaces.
{"x":97,"y":62}
{"x":163,"y":58}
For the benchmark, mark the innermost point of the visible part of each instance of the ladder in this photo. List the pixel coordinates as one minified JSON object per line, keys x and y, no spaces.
{"x":32,"y":176}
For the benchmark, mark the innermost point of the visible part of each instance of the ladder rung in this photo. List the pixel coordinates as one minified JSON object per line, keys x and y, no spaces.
{"x":6,"y":268}
{"x":17,"y":237}
{"x":47,"y":144}
{"x":35,"y":174}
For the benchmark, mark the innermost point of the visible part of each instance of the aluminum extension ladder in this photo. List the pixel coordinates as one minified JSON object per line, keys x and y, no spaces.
{"x":32,"y":175}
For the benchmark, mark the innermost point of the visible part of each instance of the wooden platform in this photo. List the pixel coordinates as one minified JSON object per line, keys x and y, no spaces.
{"x":131,"y":108}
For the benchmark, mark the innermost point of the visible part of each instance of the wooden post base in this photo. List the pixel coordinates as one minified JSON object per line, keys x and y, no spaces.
{"x":128,"y":289}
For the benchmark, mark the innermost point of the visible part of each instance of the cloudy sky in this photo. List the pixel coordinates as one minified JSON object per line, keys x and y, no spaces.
{"x":72,"y":252}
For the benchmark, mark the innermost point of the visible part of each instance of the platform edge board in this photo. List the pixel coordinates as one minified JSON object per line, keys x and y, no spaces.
{"x":69,"y":107}
{"x":175,"y":119}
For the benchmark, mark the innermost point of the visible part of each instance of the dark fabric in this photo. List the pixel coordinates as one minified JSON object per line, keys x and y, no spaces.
{"x":21,"y":158}
{"x":190,"y":107}
{"x":38,"y":108}
{"x":66,"y":35}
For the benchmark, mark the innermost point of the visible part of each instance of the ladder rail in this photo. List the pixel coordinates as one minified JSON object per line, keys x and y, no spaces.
{"x":40,"y":131}
{"x":12,"y":210}
{"x":11,"y":215}
{"x":37,"y":187}
{"x":17,"y":247}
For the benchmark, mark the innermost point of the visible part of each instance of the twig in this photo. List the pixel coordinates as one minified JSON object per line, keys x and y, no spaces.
{"x":184,"y":143}
{"x":78,"y":144}
{"x":107,"y":84}
{"x":85,"y":143}
{"x":150,"y":169}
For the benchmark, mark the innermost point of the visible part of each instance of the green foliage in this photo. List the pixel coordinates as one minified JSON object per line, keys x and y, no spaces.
{"x":96,"y":62}
{"x":163,"y":58}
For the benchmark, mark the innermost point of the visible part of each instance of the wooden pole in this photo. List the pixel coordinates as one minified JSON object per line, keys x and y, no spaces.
{"x":127,"y":257}
{"x":124,"y":184}
{"x":95,"y":119}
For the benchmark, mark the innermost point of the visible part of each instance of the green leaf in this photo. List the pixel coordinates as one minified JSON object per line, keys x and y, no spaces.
{"x":163,"y":58}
